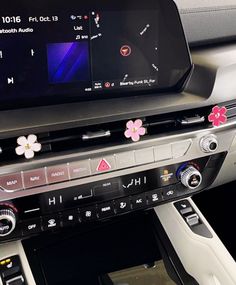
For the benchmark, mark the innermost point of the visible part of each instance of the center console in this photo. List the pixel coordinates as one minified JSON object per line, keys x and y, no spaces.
{"x":103,"y":118}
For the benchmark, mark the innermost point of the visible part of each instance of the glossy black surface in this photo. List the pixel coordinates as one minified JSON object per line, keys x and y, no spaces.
{"x":84,"y":255}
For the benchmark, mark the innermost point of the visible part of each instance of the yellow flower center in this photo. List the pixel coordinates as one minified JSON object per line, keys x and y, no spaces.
{"x":134,"y":130}
{"x":27,"y":147}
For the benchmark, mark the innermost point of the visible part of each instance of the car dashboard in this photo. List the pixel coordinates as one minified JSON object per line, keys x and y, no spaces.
{"x":115,"y":123}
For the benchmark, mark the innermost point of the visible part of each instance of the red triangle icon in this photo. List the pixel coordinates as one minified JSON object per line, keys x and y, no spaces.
{"x":103,"y":166}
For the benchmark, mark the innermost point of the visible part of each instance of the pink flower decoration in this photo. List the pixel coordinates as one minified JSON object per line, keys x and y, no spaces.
{"x":218,"y":116}
{"x":135,"y":130}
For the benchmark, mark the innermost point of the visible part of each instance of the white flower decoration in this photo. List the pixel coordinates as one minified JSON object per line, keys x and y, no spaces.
{"x":28,"y":146}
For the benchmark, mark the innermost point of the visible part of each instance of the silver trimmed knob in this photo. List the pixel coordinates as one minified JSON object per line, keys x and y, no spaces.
{"x":191,"y":178}
{"x":7,"y":222}
{"x":209,"y":144}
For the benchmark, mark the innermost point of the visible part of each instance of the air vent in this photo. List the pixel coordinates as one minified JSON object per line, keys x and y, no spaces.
{"x":231,"y":110}
{"x":108,"y":134}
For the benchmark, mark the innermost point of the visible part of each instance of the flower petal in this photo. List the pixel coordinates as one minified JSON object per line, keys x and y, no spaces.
{"x":141,"y":131}
{"x":29,"y":153}
{"x":128,"y":133}
{"x":138,"y":123}
{"x":130,"y":125}
{"x":216,"y":122}
{"x":20,"y":150}
{"x":223,"y":119}
{"x":223,"y":111}
{"x":135,"y":137}
{"x":216,"y":109}
{"x":32,"y":139}
{"x":211,"y":117}
{"x":22,"y":141}
{"x":36,"y":147}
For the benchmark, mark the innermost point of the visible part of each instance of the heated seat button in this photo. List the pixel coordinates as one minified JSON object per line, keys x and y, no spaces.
{"x":34,"y":178}
{"x":56,"y":174}
{"x":184,"y":207}
{"x":122,"y":205}
{"x":51,"y":222}
{"x":166,"y":176}
{"x":139,"y":201}
{"x":11,"y":182}
{"x":105,"y":210}
{"x":31,"y":226}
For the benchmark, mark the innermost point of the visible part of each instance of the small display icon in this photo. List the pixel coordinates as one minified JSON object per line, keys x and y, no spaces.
{"x":107,"y":84}
{"x":125,"y":50}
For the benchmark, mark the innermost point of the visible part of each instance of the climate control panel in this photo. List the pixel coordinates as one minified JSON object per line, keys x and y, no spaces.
{"x":107,"y":198}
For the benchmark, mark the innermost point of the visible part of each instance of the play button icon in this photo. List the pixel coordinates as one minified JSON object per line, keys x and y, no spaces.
{"x":125,"y":50}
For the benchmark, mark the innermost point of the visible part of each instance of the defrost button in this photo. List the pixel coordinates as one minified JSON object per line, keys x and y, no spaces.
{"x":51,"y":222}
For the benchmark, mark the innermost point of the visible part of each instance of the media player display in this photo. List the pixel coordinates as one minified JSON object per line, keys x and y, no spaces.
{"x":90,"y":50}
{"x":83,"y":49}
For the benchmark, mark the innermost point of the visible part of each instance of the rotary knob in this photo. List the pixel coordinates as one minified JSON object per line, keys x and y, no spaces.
{"x":7,"y":222}
{"x":191,"y":178}
{"x":209,"y":144}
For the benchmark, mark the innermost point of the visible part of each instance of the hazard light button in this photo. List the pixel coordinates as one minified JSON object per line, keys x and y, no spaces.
{"x":102,"y":165}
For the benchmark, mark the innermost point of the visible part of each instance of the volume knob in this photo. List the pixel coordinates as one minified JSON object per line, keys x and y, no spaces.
{"x":209,"y":144}
{"x":7,"y":222}
{"x":191,"y":178}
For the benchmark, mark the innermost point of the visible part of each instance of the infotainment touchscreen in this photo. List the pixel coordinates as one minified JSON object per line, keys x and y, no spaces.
{"x":89,"y":49}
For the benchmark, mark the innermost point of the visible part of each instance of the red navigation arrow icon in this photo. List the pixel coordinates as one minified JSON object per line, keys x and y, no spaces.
{"x":125,"y":50}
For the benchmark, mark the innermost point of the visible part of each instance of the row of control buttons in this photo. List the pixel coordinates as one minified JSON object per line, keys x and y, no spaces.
{"x":75,"y":170}
{"x":96,"y":212}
